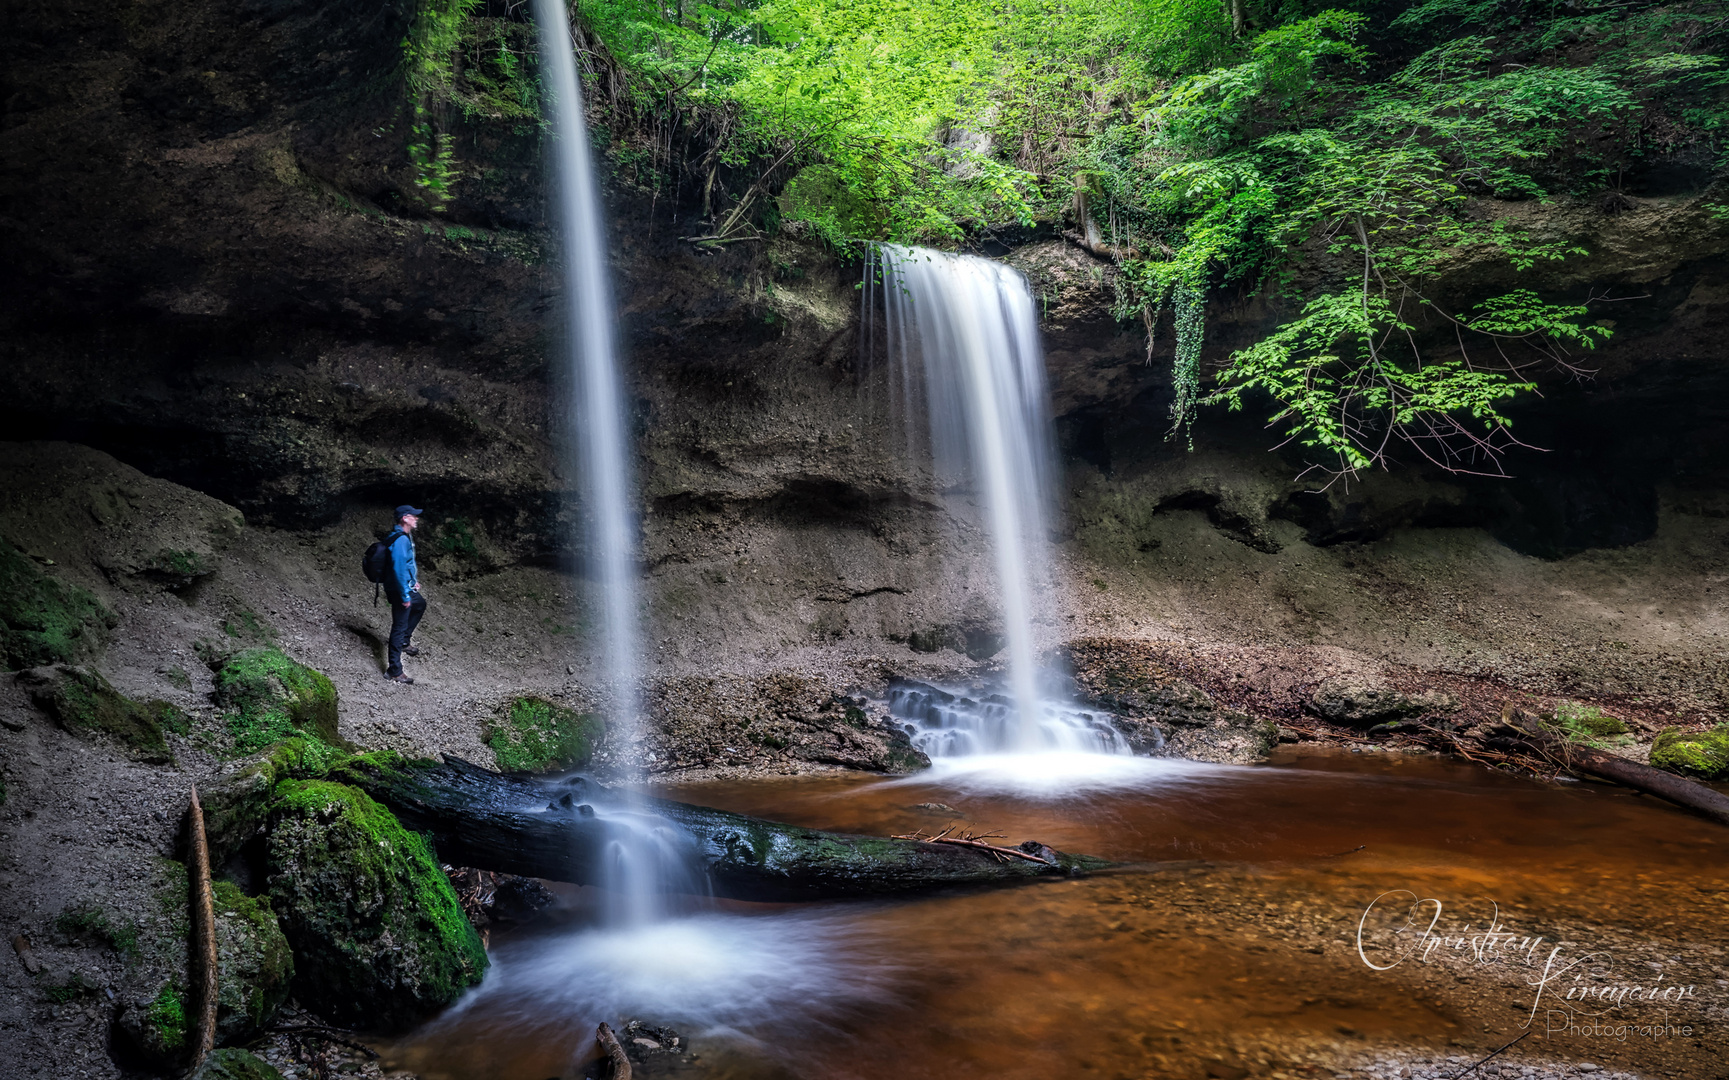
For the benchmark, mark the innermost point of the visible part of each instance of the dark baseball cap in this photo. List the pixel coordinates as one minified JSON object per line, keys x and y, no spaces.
{"x":407,"y":509}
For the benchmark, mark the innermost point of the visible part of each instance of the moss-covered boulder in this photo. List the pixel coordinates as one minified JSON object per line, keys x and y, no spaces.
{"x":1701,"y":754}
{"x":532,"y":734}
{"x":81,"y":701}
{"x":44,"y":620}
{"x":267,"y":697}
{"x":380,"y":940}
{"x":237,"y":806}
{"x":233,"y":1063}
{"x":255,"y":969}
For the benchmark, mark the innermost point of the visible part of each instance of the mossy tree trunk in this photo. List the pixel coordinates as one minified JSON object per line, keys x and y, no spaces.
{"x":521,"y":825}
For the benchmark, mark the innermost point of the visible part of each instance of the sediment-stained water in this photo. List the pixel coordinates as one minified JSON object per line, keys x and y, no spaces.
{"x":1242,"y":938}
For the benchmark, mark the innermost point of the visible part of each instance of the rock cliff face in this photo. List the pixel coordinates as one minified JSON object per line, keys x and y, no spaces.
{"x":224,"y":275}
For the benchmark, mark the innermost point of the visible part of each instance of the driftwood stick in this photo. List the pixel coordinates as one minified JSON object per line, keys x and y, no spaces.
{"x":203,"y":934}
{"x":614,"y":1052}
{"x":968,"y":841}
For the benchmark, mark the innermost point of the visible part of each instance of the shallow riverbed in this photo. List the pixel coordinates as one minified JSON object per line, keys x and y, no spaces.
{"x":1234,"y":943}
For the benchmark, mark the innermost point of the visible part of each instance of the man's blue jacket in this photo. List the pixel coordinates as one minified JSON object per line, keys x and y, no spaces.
{"x":404,"y":575}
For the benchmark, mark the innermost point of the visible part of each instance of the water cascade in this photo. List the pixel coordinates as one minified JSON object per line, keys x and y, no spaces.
{"x":597,"y":408}
{"x":654,"y":860}
{"x":971,"y":327}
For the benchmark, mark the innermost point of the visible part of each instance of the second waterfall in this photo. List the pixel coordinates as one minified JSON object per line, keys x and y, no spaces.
{"x":963,"y":343}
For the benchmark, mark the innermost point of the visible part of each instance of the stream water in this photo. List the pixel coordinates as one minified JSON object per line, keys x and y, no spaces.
{"x":1226,"y":948}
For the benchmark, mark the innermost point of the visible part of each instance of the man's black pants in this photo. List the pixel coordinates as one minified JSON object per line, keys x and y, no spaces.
{"x":403,"y":619}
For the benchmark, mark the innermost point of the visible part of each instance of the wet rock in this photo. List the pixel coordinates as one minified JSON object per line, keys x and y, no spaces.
{"x":1128,"y":680}
{"x":81,"y":701}
{"x":937,"y":808}
{"x":380,"y":940}
{"x":784,"y":721}
{"x":255,"y":968}
{"x":1231,"y":738}
{"x":1160,"y":713}
{"x":491,"y":898}
{"x":1701,"y":754}
{"x":1362,"y":702}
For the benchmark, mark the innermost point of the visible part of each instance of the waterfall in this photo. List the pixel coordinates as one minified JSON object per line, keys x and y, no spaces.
{"x":651,"y":857}
{"x":973,"y":328}
{"x":596,"y":415}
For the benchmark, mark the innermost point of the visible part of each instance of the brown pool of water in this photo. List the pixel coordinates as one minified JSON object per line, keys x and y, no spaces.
{"x":1228,"y":946}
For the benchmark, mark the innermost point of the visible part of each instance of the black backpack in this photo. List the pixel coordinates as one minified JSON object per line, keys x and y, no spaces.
{"x":375,"y":564}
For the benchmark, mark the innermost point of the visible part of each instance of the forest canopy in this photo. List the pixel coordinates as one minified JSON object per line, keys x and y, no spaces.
{"x":1206,"y":144}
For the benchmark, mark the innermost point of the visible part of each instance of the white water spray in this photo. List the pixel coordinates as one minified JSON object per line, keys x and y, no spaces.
{"x":597,"y":415}
{"x":972,"y":323}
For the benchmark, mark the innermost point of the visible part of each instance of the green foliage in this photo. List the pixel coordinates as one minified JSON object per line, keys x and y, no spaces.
{"x":1701,"y":754}
{"x":44,"y":620}
{"x":268,"y":697}
{"x":379,"y":937}
{"x":1204,"y":145}
{"x":428,"y":69}
{"x":534,"y":735}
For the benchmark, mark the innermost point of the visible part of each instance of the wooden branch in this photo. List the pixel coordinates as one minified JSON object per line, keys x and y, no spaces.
{"x":550,"y":829}
{"x":975,"y":842}
{"x":1665,"y":785}
{"x":203,"y":935}
{"x":615,"y":1055}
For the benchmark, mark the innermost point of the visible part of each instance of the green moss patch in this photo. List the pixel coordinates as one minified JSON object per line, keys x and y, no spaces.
{"x":380,"y":940}
{"x":166,"y":1016}
{"x":81,"y":701}
{"x":266,"y":697}
{"x":44,"y":620}
{"x":534,"y":735}
{"x":1702,"y":754}
{"x":233,"y":1063}
{"x":1588,"y":725}
{"x":94,"y":923}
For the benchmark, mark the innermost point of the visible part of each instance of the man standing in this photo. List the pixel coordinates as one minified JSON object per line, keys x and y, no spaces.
{"x":403,"y":584}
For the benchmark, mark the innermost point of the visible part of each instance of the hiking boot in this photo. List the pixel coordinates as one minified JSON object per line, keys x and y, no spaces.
{"x":400,"y":679}
{"x":412,"y":650}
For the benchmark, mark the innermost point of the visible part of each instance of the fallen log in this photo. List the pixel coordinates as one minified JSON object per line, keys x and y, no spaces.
{"x":565,"y":830}
{"x":1584,"y":759}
